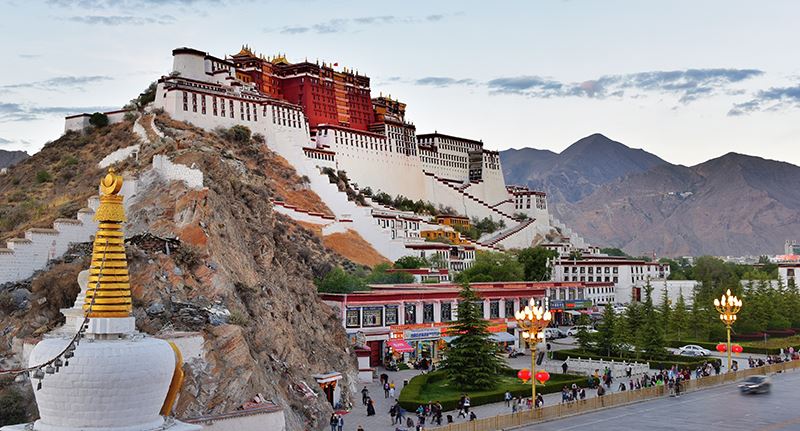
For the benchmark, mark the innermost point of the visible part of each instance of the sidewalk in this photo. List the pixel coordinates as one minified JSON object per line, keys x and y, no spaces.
{"x":383,"y":422}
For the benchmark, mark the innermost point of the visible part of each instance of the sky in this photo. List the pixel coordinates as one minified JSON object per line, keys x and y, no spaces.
{"x":686,"y":80}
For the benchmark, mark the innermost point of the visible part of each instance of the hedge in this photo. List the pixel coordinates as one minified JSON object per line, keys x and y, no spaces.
{"x":713,"y":347}
{"x":411,"y":398}
{"x":667,"y":361}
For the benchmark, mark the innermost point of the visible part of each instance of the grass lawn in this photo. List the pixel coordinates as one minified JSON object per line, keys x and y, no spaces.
{"x":435,"y":387}
{"x":774,"y":343}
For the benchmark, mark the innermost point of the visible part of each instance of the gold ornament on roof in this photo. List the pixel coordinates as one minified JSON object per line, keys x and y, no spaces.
{"x":109,"y":291}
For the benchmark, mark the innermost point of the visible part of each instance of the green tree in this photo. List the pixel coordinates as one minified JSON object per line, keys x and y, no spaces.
{"x":534,"y":261}
{"x":665,"y":309}
{"x":699,"y":317}
{"x":472,"y":361}
{"x":651,"y":332}
{"x":613,"y":251}
{"x":586,"y":340}
{"x":605,"y":336}
{"x":338,"y":281}
{"x":493,"y":266}
{"x":680,"y":318}
{"x":411,"y":262}
{"x":98,"y":119}
{"x":380,"y":275}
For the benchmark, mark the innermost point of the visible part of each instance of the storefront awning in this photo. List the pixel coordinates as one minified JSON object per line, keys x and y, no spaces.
{"x":573,"y":312}
{"x":449,"y":338}
{"x":400,"y":346}
{"x":502,"y":337}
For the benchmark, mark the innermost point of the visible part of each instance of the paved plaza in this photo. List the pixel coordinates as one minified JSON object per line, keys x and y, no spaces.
{"x":383,"y":422}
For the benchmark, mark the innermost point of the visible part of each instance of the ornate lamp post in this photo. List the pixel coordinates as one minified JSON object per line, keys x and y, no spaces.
{"x":727,"y":306}
{"x":531,"y":320}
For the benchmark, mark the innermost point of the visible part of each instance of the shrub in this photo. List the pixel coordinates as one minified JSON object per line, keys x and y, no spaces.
{"x":12,"y":407}
{"x":258,"y":138}
{"x":70,"y":161}
{"x":98,"y":119}
{"x":238,"y":318}
{"x":43,"y":177}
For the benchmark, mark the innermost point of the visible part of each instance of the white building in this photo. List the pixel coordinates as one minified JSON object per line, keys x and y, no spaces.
{"x":627,"y":275}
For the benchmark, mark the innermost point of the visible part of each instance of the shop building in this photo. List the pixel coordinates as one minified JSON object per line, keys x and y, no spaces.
{"x":413,"y":321}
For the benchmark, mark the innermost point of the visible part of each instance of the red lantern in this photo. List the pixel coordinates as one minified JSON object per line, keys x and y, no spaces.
{"x":524,"y":375}
{"x":542,"y":376}
{"x":722,"y":347}
{"x":737,"y":349}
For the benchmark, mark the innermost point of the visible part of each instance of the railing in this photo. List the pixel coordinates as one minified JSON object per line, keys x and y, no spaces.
{"x":558,"y":411}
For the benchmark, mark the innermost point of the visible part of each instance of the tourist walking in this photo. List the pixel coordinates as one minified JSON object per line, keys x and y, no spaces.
{"x":386,"y":390}
{"x":340,"y":423}
{"x":364,"y":395}
{"x":539,"y":400}
{"x":370,"y":407}
{"x":334,"y":422}
{"x":507,"y":397}
{"x":564,"y":367}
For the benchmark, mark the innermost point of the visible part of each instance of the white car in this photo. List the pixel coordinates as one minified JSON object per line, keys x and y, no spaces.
{"x":572,"y":332}
{"x":693,"y":350}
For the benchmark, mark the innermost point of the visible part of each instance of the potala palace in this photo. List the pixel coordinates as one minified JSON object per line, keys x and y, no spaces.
{"x":318,"y":117}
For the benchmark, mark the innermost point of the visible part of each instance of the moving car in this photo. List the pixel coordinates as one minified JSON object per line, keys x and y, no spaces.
{"x":572,"y":332}
{"x":755,"y":385}
{"x":693,"y":350}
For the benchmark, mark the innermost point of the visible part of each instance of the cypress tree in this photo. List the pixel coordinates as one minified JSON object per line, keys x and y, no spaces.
{"x":473,"y":360}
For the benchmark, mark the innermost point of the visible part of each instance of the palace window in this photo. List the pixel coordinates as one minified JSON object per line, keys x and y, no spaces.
{"x":391,"y":315}
{"x":447,"y":311}
{"x":353,"y":318}
{"x":231,"y":106}
{"x":203,"y":104}
{"x":510,"y":308}
{"x":185,"y":101}
{"x":371,"y":317}
{"x":494,"y":309}
{"x":214,"y":105}
{"x":194,"y":102}
{"x":410,"y":314}
{"x":427,"y":313}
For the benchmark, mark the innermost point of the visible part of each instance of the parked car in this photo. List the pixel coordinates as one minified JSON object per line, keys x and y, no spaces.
{"x":755,"y":385}
{"x":693,"y":350}
{"x":572,"y":332}
{"x":554,"y":333}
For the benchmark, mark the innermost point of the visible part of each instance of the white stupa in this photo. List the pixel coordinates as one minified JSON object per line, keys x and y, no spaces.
{"x":112,"y":378}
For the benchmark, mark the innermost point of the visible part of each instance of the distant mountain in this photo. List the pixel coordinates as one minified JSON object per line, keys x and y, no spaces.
{"x":732,"y":205}
{"x":575,"y":172}
{"x":8,"y":158}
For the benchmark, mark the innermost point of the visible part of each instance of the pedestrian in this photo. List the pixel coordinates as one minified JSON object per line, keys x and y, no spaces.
{"x":472,"y":416}
{"x":391,"y":391}
{"x":621,"y":386}
{"x":581,"y":394}
{"x":628,"y":370}
{"x":507,"y":398}
{"x":334,"y":422}
{"x":600,"y":390}
{"x":360,"y":428}
{"x":467,"y":403}
{"x":386,"y":390}
{"x":539,"y":400}
{"x":393,"y":414}
{"x":564,"y":367}
{"x":514,"y":406}
{"x":364,"y":395}
{"x":340,"y":423}
{"x":370,"y":407}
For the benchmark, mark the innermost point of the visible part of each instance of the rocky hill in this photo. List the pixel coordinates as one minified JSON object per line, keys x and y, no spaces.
{"x":10,"y":158}
{"x":733,"y":205}
{"x":193,"y":252}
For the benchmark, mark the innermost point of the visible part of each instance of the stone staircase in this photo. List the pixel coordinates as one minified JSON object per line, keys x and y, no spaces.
{"x":491,"y":208}
{"x":508,"y":232}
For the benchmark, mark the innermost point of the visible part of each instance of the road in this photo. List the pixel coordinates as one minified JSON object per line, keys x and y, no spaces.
{"x":717,"y":409}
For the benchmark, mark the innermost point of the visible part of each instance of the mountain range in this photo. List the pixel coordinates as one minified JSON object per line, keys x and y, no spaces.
{"x":8,"y":158}
{"x":618,"y":196}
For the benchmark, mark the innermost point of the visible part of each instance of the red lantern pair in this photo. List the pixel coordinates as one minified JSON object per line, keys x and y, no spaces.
{"x":542,"y":376}
{"x":524,"y":375}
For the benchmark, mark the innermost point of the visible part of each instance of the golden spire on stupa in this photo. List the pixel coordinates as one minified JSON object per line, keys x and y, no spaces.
{"x":109,"y":291}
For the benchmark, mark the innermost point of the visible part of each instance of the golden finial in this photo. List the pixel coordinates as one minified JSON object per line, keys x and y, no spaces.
{"x":109,"y":292}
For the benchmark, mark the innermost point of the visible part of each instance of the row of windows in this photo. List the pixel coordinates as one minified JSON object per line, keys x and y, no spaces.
{"x":218,"y":105}
{"x":592,"y":278}
{"x":319,"y":155}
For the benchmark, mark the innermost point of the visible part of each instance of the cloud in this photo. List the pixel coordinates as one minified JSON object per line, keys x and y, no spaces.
{"x":688,"y":85}
{"x":116,"y":20}
{"x":29,"y":56}
{"x":443,"y":81}
{"x":341,"y":25}
{"x":58,"y":82}
{"x":4,"y":141}
{"x":15,"y":112}
{"x":129,"y":4}
{"x":772,"y":99}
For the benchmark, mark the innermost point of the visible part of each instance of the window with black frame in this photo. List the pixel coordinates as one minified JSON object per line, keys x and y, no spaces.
{"x":371,"y":317}
{"x":427,"y":313}
{"x":447,"y":312}
{"x":410,"y":314}
{"x":494,"y":309}
{"x":391,"y":315}
{"x":353,"y":318}
{"x":510,"y":309}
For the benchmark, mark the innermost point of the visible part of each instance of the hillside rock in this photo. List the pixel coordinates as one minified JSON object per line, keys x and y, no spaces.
{"x":198,"y":254}
{"x":11,"y":158}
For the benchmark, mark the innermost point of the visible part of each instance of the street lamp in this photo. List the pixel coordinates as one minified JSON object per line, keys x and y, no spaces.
{"x":727,"y":306}
{"x":531,"y":320}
